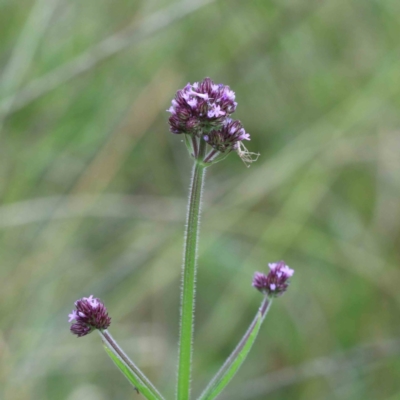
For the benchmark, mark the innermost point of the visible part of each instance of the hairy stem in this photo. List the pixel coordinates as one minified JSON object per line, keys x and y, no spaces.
{"x":113,"y":345}
{"x":239,"y":354}
{"x":188,"y":288}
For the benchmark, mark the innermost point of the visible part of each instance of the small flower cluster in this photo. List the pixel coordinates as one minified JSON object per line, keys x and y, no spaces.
{"x":228,"y":136}
{"x":200,"y":107}
{"x":276,"y":282}
{"x":202,"y":112}
{"x":90,"y":314}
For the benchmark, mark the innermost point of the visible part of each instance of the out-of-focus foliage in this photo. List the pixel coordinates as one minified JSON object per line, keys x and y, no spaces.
{"x":93,"y":194}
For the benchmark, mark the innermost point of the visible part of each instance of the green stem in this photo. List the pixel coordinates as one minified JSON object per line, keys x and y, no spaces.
{"x":188,"y":288}
{"x":239,"y":354}
{"x":142,"y":383}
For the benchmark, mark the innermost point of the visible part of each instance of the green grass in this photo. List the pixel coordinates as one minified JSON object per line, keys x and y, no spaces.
{"x":93,"y":195}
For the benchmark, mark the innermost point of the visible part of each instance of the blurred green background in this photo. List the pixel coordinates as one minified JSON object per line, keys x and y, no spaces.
{"x":93,"y":194}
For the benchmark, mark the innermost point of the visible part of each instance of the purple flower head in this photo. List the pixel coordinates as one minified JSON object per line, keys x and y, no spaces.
{"x":90,"y":314}
{"x":227,"y":137}
{"x":200,"y":107}
{"x":276,"y":282}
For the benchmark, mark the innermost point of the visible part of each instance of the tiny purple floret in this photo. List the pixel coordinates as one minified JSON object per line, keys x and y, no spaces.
{"x":276,"y":282}
{"x":72,"y":316}
{"x":90,"y":314}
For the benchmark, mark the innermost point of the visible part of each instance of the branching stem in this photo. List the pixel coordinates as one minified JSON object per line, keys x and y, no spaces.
{"x":113,"y":345}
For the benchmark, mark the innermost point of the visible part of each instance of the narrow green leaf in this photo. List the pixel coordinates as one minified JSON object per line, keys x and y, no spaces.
{"x":235,"y":360}
{"x":131,"y":376}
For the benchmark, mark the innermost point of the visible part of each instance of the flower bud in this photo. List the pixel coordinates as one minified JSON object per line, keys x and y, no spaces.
{"x":90,"y":314}
{"x":227,"y":137}
{"x":276,"y":282}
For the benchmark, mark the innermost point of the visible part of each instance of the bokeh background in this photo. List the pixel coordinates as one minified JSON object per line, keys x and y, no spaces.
{"x":93,"y":194}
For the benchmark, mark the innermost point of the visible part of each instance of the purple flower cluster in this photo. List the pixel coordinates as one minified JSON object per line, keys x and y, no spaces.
{"x":200,"y":107}
{"x":276,"y":282}
{"x":228,"y":136}
{"x":90,"y":314}
{"x":202,"y":111}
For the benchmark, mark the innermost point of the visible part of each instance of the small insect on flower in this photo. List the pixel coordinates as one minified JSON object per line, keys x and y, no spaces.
{"x":276,"y":282}
{"x":90,"y":313}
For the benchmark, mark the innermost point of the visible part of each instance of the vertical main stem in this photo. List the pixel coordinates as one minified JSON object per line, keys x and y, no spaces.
{"x":188,"y":288}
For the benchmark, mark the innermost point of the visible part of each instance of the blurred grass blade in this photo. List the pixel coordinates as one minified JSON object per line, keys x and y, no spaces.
{"x":139,"y":381}
{"x":235,"y":360}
